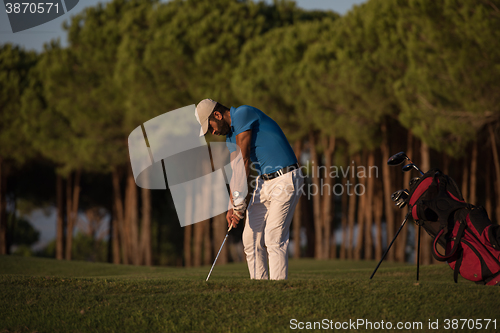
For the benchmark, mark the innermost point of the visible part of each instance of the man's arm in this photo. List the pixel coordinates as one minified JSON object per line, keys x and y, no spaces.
{"x":240,"y":165}
{"x":243,"y":142}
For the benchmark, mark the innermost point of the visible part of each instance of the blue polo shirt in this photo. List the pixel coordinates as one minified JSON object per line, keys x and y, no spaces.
{"x":269,"y":148}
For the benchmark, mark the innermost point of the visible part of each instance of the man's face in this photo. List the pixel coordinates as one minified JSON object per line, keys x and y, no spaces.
{"x":218,"y":126}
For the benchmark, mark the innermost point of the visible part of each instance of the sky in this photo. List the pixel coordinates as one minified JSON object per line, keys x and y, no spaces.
{"x":34,"y":38}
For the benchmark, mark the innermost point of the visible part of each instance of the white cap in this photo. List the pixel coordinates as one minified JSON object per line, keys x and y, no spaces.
{"x":203,"y":110}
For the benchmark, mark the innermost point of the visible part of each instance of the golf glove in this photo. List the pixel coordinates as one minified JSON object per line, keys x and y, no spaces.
{"x":239,"y":210}
{"x":240,"y":205}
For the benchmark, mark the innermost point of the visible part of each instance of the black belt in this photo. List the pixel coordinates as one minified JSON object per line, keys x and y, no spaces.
{"x":281,"y":172}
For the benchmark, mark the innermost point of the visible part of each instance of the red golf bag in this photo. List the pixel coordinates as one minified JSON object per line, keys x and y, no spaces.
{"x":471,"y":241}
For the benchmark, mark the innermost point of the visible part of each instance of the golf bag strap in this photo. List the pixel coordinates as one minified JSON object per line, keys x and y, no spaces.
{"x":445,"y":257}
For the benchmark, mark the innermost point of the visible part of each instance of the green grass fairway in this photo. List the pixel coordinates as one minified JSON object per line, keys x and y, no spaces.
{"x":44,"y":295}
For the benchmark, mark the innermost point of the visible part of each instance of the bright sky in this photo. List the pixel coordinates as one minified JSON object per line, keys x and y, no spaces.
{"x":34,"y":38}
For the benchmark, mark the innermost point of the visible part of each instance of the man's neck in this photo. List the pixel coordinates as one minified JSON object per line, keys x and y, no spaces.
{"x":227,"y":117}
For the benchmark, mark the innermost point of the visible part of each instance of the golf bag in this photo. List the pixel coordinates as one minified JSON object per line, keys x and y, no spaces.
{"x":470,"y":240}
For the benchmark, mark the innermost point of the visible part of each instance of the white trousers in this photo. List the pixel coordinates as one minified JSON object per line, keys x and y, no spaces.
{"x":267,"y":230}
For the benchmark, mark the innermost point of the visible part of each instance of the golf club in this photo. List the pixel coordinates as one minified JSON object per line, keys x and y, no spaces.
{"x":401,"y":204}
{"x":400,"y":158}
{"x":400,"y":198}
{"x":413,"y":181}
{"x":398,"y":194}
{"x":227,"y":234}
{"x":410,"y":166}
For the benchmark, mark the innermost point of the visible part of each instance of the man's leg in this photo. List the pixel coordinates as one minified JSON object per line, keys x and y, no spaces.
{"x":253,"y":236}
{"x":284,"y":196}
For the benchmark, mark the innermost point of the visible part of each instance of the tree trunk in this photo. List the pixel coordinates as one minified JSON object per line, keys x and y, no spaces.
{"x":146,"y":227}
{"x":111,"y":238}
{"x":76,"y":198}
{"x":379,"y":211}
{"x":345,"y":209}
{"x":327,"y":198}
{"x":386,"y":174}
{"x":489,"y":196}
{"x":120,"y":218}
{"x":426,"y":240}
{"x":298,"y":209}
{"x":131,"y":217}
{"x":315,"y":177}
{"x":93,"y":222}
{"x":207,"y":244}
{"x":297,"y":223}
{"x":351,"y":218}
{"x":369,"y":207}
{"x":115,"y":249}
{"x":465,"y":180}
{"x":198,"y":243}
{"x":308,"y":222}
{"x":60,"y":218}
{"x":473,"y":175}
{"x":358,"y":252}
{"x":188,"y":232}
{"x":72,"y":198}
{"x":496,"y":160}
{"x":3,"y":209}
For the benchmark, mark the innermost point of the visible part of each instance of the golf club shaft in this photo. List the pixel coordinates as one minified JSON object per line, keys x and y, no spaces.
{"x":386,"y":251}
{"x":418,"y":169}
{"x":227,"y":234}
{"x":415,"y":166}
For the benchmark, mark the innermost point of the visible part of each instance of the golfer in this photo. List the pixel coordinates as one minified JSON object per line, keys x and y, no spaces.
{"x":277,"y":189}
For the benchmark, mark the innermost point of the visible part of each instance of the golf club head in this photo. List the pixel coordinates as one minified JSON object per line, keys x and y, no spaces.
{"x":408,"y":167}
{"x":396,"y":195}
{"x":400,"y":198}
{"x":413,"y":181}
{"x":397,"y":159}
{"x":401,"y":204}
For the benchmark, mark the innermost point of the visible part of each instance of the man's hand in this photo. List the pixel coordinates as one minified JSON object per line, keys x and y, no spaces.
{"x":240,"y":209}
{"x":232,"y":219}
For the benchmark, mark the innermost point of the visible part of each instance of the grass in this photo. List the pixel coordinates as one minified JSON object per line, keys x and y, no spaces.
{"x":44,"y":295}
